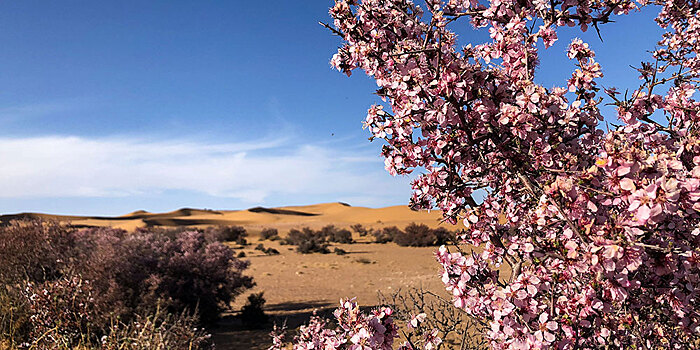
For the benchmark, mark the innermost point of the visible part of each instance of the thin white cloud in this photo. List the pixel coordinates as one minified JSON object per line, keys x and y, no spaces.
{"x":64,"y":166}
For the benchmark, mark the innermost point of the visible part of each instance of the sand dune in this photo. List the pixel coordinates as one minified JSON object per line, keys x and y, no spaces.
{"x":254,"y":219}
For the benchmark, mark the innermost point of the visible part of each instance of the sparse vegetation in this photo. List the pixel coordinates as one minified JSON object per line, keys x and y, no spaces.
{"x":360,"y":230}
{"x":307,"y":241}
{"x":336,"y":235}
{"x":235,"y":234}
{"x":269,"y":234}
{"x":386,"y":234}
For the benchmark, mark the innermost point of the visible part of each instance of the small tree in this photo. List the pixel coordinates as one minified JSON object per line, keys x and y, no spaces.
{"x":599,"y":230}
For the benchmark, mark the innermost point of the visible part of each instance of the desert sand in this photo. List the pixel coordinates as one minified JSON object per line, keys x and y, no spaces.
{"x":296,"y":284}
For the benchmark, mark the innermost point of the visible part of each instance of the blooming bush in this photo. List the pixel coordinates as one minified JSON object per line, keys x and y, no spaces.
{"x":62,"y":313}
{"x":134,"y":271}
{"x":355,"y":330}
{"x":598,"y":230}
{"x":67,"y":287}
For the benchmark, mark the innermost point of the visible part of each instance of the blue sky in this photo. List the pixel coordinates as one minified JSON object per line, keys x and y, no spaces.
{"x":112,"y":106}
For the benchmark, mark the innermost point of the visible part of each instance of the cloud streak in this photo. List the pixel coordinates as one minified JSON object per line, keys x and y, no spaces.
{"x":252,"y":172}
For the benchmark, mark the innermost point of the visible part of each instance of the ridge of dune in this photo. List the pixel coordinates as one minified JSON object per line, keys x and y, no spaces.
{"x":256,"y":218}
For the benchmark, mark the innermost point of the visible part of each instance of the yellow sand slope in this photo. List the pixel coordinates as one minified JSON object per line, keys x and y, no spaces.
{"x":282,"y":218}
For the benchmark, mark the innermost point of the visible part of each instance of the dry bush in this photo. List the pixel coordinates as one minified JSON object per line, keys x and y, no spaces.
{"x":420,"y":235}
{"x":458,"y":330}
{"x":307,"y":241}
{"x":157,"y":331}
{"x":386,"y":234}
{"x":269,"y":234}
{"x":252,"y":315}
{"x":360,"y":230}
{"x":236,"y":234}
{"x":336,"y":235}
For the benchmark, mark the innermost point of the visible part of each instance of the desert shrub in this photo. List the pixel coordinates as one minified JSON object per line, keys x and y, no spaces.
{"x":359,"y":229}
{"x":307,"y":241}
{"x":443,"y":236}
{"x":132,"y":272}
{"x":313,"y":246}
{"x":44,"y":300}
{"x":341,"y":236}
{"x":33,"y":251}
{"x":30,"y":252}
{"x":386,"y":234}
{"x":241,"y":254}
{"x":260,"y":247}
{"x":236,"y":234}
{"x":337,"y":235}
{"x":270,"y":234}
{"x":252,"y":314}
{"x":420,"y":235}
{"x":65,"y":314}
{"x":62,"y":313}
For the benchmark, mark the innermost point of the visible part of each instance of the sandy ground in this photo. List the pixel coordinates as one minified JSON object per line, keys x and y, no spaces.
{"x":297,"y":284}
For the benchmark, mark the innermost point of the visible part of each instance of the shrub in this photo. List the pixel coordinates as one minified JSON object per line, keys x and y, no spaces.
{"x":158,"y":331}
{"x":313,"y":246}
{"x":334,"y":234}
{"x":227,"y":234}
{"x":33,"y":251}
{"x":307,"y":241}
{"x":360,"y":230}
{"x":386,"y":234}
{"x":341,"y":236}
{"x":252,"y":314}
{"x":133,"y":271}
{"x":43,"y":299}
{"x":269,"y":234}
{"x":62,"y":313}
{"x":420,"y":235}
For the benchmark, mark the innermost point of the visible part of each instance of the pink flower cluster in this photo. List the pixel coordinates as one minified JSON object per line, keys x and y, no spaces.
{"x":355,"y":331}
{"x":586,"y":238}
